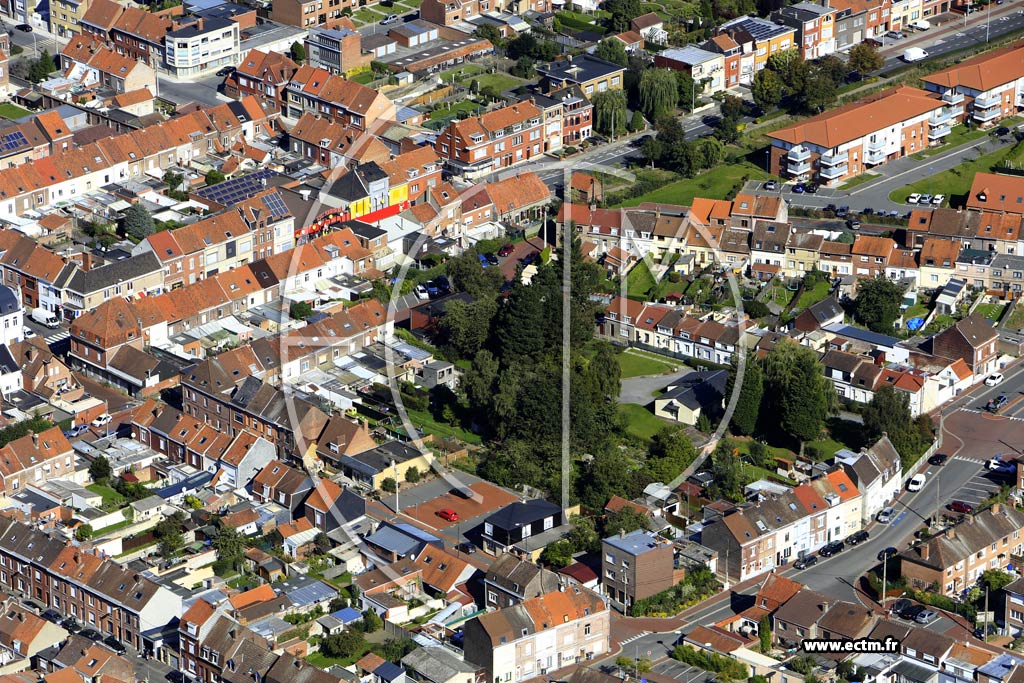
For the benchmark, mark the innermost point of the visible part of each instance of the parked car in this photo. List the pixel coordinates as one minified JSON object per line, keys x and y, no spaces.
{"x":998,"y":403}
{"x":771,"y":186}
{"x":76,"y":431}
{"x":433,"y":291}
{"x":831,"y":207}
{"x":114,"y":644}
{"x":52,"y":615}
{"x":27,"y":332}
{"x":960,"y":506}
{"x":812,"y":188}
{"x":886,"y":553}
{"x":938,"y":200}
{"x":799,"y":188}
{"x":997,"y":464}
{"x":92,"y":634}
{"x":466,"y":548}
{"x":938,"y":459}
{"x":853,"y":224}
{"x":421,"y":292}
{"x":389,"y":19}
{"x":483,"y":260}
{"x":806,"y":561}
{"x":24,"y":27}
{"x":532,"y":257}
{"x":226,"y":71}
{"x":442,"y":283}
{"x":832,"y":548}
{"x":448,"y":514}
{"x":506,"y":250}
{"x":913,"y":198}
{"x":858,"y":537}
{"x":1002,"y":130}
{"x":901,"y":606}
{"x":492,"y":259}
{"x":71,"y":625}
{"x":896,"y":35}
{"x":911,"y":612}
{"x":102,"y":421}
{"x":842,"y":211}
{"x":885,"y":515}
{"x":994,"y":379}
{"x":927,"y":616}
{"x":925,"y":199}
{"x":874,"y":42}
{"x":916,"y":483}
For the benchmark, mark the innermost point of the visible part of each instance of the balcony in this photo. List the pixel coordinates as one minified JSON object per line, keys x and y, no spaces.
{"x":798,"y":154}
{"x":875,"y":156}
{"x":937,"y":132}
{"x":952,"y":97}
{"x":941,"y":117}
{"x":876,"y":145}
{"x":796,"y":169}
{"x":830,"y":159}
{"x":833,"y":172}
{"x":987,"y":115}
{"x":988,"y":101}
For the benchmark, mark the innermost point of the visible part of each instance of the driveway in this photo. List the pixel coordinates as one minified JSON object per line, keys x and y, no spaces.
{"x":641,"y":389}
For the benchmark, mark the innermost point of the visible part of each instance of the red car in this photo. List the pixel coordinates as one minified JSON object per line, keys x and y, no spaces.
{"x":961,"y":507}
{"x":506,"y":250}
{"x":448,"y":514}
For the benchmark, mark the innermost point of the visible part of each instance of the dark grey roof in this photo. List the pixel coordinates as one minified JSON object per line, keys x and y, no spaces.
{"x":436,"y":664}
{"x":826,"y":309}
{"x":97,"y":279}
{"x":579,"y":69}
{"x":7,"y":362}
{"x":210,"y":25}
{"x":8,"y":301}
{"x":525,"y":512}
{"x":700,"y":389}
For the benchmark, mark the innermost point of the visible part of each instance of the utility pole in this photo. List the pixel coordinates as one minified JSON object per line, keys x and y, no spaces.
{"x":885,"y":568}
{"x":986,"y":614}
{"x":988,"y":20}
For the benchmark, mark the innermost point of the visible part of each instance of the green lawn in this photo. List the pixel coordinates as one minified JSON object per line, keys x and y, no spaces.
{"x":809,"y":297}
{"x":778,"y":294}
{"x":1016,"y":319}
{"x":364,"y":77}
{"x":859,"y":180}
{"x":639,"y":421}
{"x":637,"y":365}
{"x":713,"y":184}
{"x":639,"y":281}
{"x":365,"y":15}
{"x":13,"y":111}
{"x":957,"y":136}
{"x":111,"y":498}
{"x":445,"y":113}
{"x":841,"y":434}
{"x":918,"y":310}
{"x":461,"y":72}
{"x":990,"y":311}
{"x":426,"y":424}
{"x":579,"y":22}
{"x":322,"y":661}
{"x":112,"y":527}
{"x":499,"y":81}
{"x":956,"y":182}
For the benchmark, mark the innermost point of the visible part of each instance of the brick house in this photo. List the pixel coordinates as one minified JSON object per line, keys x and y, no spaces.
{"x":264,"y":75}
{"x":973,"y":339}
{"x":956,"y":559}
{"x":635,"y":566}
{"x":498,"y":139}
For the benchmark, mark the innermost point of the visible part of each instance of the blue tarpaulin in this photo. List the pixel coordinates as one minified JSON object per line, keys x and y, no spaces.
{"x":915,"y":324}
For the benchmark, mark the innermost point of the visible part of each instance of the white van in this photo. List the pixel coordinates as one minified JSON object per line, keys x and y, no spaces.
{"x":914,"y":54}
{"x":921,"y":24}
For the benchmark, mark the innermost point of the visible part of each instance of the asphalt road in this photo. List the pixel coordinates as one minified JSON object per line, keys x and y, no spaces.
{"x":33,"y":43}
{"x":641,"y":389}
{"x":980,"y":29}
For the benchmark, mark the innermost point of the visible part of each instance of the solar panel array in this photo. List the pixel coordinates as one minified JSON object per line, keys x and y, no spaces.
{"x":237,"y":189}
{"x":275,"y":205}
{"x":13,"y":140}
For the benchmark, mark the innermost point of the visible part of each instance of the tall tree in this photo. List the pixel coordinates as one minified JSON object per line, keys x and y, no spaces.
{"x":612,"y":50}
{"x":797,"y":389}
{"x":621,"y":13}
{"x":791,"y":68}
{"x":658,"y":92}
{"x":229,"y":546}
{"x":748,"y":405}
{"x":865,"y":58}
{"x":889,"y":413}
{"x":138,"y":222}
{"x":610,"y":115}
{"x":466,"y":327}
{"x":878,"y":303}
{"x":99,"y":469}
{"x":298,"y":52}
{"x":767,"y":90}
{"x":687,"y":90}
{"x":712,"y":152}
{"x":820,"y":92}
{"x":728,"y":472}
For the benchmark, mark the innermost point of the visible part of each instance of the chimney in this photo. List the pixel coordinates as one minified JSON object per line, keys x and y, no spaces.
{"x":30,"y":353}
{"x":35,"y":440}
{"x":622,"y":533}
{"x":996,"y":507}
{"x":970,"y":520}
{"x":924,"y":549}
{"x":951,"y":533}
{"x":824,"y":607}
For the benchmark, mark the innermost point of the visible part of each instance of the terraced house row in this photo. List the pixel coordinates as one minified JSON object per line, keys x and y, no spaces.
{"x":96,"y":591}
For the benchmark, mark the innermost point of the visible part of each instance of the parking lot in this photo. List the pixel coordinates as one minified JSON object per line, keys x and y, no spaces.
{"x":981,"y":486}
{"x":681,"y":672}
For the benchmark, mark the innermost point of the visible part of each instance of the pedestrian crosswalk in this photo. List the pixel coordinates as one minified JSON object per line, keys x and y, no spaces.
{"x":985,"y":412}
{"x":59,"y":336}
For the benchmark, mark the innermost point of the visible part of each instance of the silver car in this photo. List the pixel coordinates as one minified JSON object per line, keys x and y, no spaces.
{"x":927,"y":616}
{"x":885,"y":515}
